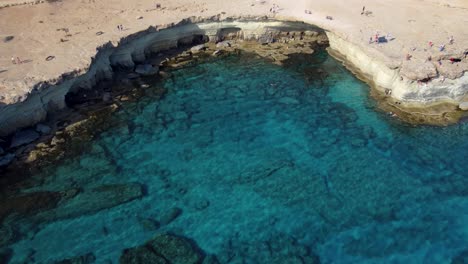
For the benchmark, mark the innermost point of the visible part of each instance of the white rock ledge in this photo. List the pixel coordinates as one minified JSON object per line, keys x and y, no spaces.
{"x":50,"y":95}
{"x":408,"y":91}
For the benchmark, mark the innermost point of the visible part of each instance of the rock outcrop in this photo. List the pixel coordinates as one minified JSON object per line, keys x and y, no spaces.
{"x":410,"y":84}
{"x":23,"y":137}
{"x":32,"y":107}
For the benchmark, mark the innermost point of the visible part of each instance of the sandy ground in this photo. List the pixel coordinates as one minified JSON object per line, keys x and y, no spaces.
{"x":38,"y":29}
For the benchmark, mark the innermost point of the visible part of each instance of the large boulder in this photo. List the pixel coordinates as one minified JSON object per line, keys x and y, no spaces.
{"x":198,"y":47}
{"x":24,"y":137}
{"x":164,"y":249}
{"x":223,"y":44}
{"x":146,"y":69}
{"x":463,"y":106}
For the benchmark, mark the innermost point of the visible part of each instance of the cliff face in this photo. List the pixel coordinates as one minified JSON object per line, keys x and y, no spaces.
{"x":50,"y":95}
{"x":402,"y":80}
{"x":399,"y":78}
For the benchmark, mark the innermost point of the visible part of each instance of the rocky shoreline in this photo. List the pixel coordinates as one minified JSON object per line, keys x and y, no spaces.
{"x":145,"y":53}
{"x":89,"y":112}
{"x":407,"y":91}
{"x":92,"y":92}
{"x":405,"y":84}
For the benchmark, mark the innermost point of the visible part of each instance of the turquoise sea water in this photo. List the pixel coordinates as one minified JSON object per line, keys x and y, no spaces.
{"x":270,"y":164}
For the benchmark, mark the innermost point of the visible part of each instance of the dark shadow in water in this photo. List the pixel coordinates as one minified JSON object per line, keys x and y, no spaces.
{"x":310,"y":65}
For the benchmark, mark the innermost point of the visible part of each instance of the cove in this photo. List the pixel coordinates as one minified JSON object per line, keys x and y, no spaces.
{"x":260,"y":163}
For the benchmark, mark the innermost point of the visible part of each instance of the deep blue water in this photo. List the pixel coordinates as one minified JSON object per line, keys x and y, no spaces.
{"x":270,"y":164}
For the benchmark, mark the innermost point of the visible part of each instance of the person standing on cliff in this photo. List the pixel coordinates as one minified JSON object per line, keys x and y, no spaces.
{"x":363,"y":10}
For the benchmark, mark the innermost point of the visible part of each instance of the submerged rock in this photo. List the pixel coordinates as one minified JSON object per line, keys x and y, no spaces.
{"x":141,"y":255}
{"x":146,"y":69}
{"x":43,"y":129}
{"x":85,"y":259}
{"x":7,"y":236}
{"x":178,"y":250}
{"x":210,"y":259}
{"x":170,"y":216}
{"x":164,"y":249}
{"x":131,"y":76}
{"x":201,"y":204}
{"x":95,"y":200}
{"x":288,"y":100}
{"x":29,"y":204}
{"x":462,"y":258}
{"x":7,"y":159}
{"x":5,"y":255}
{"x":149,"y":224}
{"x":24,"y":137}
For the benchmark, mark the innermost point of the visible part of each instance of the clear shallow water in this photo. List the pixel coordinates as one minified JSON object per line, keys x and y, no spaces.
{"x":270,"y":165}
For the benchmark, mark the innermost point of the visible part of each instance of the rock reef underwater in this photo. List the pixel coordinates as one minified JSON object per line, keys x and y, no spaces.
{"x":255,"y":154}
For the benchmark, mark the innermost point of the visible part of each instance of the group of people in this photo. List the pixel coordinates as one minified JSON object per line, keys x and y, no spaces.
{"x":441,"y":48}
{"x":16,"y":60}
{"x":275,"y":9}
{"x":120,"y":28}
{"x":377,"y":38}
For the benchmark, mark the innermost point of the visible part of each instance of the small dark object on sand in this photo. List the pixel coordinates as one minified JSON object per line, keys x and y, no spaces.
{"x":49,"y":58}
{"x":8,"y":38}
{"x":99,"y":33}
{"x":329,"y":17}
